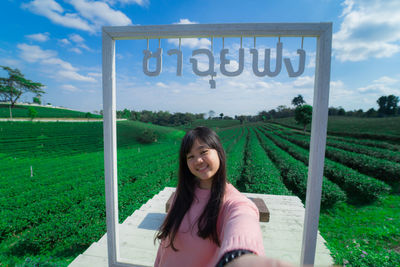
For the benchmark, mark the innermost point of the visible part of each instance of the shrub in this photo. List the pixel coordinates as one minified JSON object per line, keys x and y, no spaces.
{"x":32,"y":112}
{"x":147,"y":136}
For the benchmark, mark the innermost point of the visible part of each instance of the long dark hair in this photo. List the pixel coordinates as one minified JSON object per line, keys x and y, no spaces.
{"x":187,"y":182}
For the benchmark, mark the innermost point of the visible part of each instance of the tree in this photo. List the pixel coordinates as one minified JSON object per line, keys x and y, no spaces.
{"x":241,"y":118}
{"x":341,"y":112}
{"x":371,"y":113}
{"x":388,"y":105}
{"x":15,"y":85}
{"x":211,"y":114}
{"x":221,"y":115}
{"x":303,"y":115}
{"x":126,"y":113}
{"x":298,"y":101}
{"x":32,"y":112}
{"x":36,"y":100}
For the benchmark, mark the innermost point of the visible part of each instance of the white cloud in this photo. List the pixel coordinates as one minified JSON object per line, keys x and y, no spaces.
{"x":304,"y":81}
{"x":162,"y":85}
{"x":95,"y":74}
{"x":385,"y":80}
{"x":73,"y":75}
{"x":100,"y":13}
{"x":53,"y":11}
{"x":185,"y":21}
{"x":11,"y":62}
{"x":370,"y":28}
{"x":363,"y":97}
{"x":384,"y":85}
{"x":59,"y":62}
{"x":76,"y":38}
{"x":88,"y":16}
{"x":34,"y":54}
{"x":76,"y":50}
{"x":127,"y":2}
{"x":70,"y":88}
{"x":39,"y":37}
{"x":64,"y":41}
{"x":190,"y":42}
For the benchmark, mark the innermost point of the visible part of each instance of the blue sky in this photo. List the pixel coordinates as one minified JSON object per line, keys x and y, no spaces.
{"x":58,"y":43}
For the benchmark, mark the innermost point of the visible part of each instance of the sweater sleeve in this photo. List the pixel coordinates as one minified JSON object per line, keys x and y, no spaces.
{"x":241,"y":228}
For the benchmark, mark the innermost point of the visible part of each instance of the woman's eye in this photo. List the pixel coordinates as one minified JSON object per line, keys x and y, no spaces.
{"x":189,"y":157}
{"x":204,"y":152}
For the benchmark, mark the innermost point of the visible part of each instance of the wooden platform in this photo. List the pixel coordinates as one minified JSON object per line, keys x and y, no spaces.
{"x":282,"y":235}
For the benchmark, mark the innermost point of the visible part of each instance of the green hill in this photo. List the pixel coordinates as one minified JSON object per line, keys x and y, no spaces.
{"x":32,"y":139}
{"x":21,"y":111}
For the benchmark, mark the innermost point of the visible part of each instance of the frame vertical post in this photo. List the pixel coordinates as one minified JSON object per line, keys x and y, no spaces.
{"x":110,"y":147}
{"x":317,"y":146}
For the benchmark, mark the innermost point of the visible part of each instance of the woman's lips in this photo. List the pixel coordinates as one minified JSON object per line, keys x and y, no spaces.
{"x":202,"y":169}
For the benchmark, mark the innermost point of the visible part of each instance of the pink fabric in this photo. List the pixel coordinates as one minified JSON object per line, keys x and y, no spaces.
{"x":238,"y":228}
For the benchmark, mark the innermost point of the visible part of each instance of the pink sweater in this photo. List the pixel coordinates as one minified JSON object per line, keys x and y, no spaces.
{"x":237,"y":227}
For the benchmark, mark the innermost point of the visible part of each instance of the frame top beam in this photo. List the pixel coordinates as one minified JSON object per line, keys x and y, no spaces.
{"x":217,"y":30}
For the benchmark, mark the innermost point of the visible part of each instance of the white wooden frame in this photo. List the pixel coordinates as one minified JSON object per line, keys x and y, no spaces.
{"x":323,"y":34}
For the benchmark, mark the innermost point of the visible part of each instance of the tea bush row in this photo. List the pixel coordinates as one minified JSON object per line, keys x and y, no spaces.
{"x":295,"y":174}
{"x":357,"y":186}
{"x":260,"y":174}
{"x":382,"y":169}
{"x":235,"y":153}
{"x":361,"y":149}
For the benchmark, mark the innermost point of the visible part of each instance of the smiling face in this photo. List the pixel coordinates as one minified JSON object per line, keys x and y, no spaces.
{"x":203,"y":162}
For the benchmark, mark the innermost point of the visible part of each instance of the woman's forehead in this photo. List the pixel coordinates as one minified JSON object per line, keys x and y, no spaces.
{"x":198,"y":144}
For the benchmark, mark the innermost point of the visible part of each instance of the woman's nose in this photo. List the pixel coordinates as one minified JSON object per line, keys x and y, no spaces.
{"x":199,"y":159}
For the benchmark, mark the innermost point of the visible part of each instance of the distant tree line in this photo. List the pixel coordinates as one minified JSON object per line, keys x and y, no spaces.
{"x":388,"y":106}
{"x":163,"y":118}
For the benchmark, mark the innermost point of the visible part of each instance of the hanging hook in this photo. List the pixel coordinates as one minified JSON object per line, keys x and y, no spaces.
{"x":147,"y":43}
{"x":302,"y":41}
{"x":212,"y":82}
{"x":179,"y":44}
{"x":254,"y":42}
{"x":159,"y":43}
{"x":223,"y":42}
{"x":241,"y":41}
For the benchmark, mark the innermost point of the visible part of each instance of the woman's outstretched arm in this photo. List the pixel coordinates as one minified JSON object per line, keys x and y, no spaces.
{"x":252,"y":260}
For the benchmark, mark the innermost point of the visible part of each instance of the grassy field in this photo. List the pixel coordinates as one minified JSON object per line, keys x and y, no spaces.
{"x":21,"y":111}
{"x":52,"y":184}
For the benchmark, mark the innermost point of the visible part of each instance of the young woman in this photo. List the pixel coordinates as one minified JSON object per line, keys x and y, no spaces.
{"x":210,"y":222}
